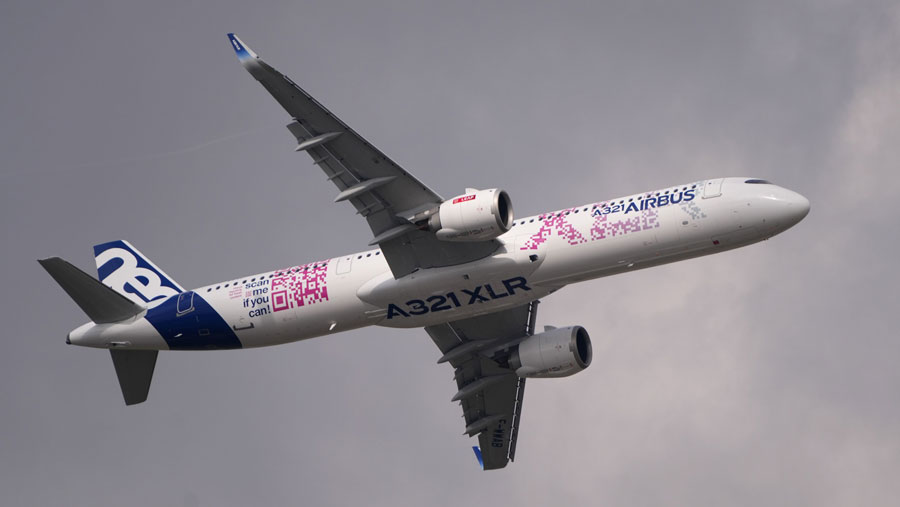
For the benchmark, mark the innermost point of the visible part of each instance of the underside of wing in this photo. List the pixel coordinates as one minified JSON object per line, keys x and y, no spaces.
{"x":489,"y":390}
{"x":381,"y":191}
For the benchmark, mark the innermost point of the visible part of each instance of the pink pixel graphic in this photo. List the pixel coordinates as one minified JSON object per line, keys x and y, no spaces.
{"x":299,"y":286}
{"x":558,"y":222}
{"x":603,"y":228}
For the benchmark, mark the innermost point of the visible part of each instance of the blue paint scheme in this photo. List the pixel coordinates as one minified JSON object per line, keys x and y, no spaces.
{"x":478,"y":456}
{"x":188,"y":322}
{"x":239,"y":48}
{"x":115,"y":263}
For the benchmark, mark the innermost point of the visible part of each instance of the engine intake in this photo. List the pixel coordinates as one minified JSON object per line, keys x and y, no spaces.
{"x":477,"y":215}
{"x":554,"y":353}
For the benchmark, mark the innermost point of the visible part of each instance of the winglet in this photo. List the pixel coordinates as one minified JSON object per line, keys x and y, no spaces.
{"x":478,"y":456}
{"x":243,"y":52}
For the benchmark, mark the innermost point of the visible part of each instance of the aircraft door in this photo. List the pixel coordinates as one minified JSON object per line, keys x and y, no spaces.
{"x":713,"y":188}
{"x":344,"y":264}
{"x":185,"y":303}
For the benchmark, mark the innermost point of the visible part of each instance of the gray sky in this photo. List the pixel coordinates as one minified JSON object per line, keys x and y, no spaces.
{"x":763,"y":376}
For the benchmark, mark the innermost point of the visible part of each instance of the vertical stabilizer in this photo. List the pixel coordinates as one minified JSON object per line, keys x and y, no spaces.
{"x":123,"y":268}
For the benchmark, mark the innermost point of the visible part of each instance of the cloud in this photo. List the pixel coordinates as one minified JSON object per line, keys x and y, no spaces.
{"x":866,"y":141}
{"x":764,"y":375}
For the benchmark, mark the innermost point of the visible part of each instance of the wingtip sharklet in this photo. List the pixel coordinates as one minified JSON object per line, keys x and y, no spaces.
{"x":243,"y":52}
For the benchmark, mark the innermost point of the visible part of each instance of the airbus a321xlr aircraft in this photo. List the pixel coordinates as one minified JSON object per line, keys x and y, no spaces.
{"x":463,"y":268}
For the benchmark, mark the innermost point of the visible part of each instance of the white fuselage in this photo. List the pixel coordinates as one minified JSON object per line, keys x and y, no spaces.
{"x":537,"y":256}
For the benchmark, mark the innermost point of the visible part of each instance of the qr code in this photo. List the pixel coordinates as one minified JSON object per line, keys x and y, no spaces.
{"x":300,"y":286}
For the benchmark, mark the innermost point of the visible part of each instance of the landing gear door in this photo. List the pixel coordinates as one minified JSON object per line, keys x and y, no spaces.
{"x":185,"y":304}
{"x":712,"y":188}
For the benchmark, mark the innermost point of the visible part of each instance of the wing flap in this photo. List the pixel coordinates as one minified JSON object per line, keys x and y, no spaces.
{"x":499,"y":402}
{"x":489,"y":392}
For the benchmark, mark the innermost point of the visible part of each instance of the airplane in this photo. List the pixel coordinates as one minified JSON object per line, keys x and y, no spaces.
{"x":464,"y":268}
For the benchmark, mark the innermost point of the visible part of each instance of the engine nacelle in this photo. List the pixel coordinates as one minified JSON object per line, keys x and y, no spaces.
{"x":477,"y":215}
{"x":554,"y":353}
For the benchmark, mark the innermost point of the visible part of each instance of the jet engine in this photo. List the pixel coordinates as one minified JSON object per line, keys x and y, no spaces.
{"x":477,"y":215}
{"x":554,"y":353}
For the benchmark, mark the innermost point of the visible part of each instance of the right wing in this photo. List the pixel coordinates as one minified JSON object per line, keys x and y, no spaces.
{"x":380,"y":190}
{"x":490,"y":392}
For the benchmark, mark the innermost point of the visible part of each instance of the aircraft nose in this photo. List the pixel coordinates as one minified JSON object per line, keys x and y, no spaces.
{"x":784,"y":208}
{"x":796,"y":207}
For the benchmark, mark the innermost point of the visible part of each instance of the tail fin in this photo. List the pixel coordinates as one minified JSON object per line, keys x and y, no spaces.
{"x":101,"y":304}
{"x":123,"y":268}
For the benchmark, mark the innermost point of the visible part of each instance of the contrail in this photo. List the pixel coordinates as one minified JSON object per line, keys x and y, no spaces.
{"x":149,"y":157}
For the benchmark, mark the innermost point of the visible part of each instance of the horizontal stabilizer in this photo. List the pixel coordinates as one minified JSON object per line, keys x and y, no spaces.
{"x":135,"y":371}
{"x":101,"y":304}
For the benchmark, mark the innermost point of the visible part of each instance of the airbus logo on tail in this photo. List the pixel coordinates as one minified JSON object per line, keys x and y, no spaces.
{"x":126,"y":271}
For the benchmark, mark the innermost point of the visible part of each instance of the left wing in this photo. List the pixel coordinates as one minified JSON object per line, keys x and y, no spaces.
{"x":380,"y":190}
{"x":490,"y":392}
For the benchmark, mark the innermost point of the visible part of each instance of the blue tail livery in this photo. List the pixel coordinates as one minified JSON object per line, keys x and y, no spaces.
{"x":123,"y":268}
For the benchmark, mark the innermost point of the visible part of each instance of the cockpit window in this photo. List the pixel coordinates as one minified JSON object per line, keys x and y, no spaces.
{"x":758,"y":182}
